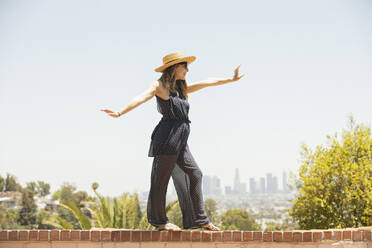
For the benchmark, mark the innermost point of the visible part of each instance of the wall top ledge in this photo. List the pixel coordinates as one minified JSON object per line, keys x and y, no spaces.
{"x":125,"y":235}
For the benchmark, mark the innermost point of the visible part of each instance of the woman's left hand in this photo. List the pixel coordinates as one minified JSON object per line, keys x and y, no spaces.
{"x":236,"y":75}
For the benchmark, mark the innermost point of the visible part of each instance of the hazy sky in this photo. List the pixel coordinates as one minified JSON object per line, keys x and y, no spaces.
{"x":308,"y":65}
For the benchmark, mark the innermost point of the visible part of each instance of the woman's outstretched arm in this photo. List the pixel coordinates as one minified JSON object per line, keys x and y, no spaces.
{"x":213,"y":82}
{"x":136,"y":101}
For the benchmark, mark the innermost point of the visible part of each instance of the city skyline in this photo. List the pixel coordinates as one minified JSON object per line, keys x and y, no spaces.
{"x":212,"y":185}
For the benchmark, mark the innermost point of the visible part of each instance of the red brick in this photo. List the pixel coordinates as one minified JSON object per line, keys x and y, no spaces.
{"x":136,"y":236}
{"x":327,"y":235}
{"x":268,"y":236}
{"x":75,"y":234}
{"x":186,"y":235}
{"x":227,"y":236}
{"x":195,"y":236}
{"x":85,"y":235}
{"x":44,"y":235}
{"x":3,"y":235}
{"x":115,"y":236}
{"x":13,"y":235}
{"x":247,"y":236}
{"x":95,"y":235}
{"x":54,"y":235}
{"x":297,"y":236}
{"x":176,"y":236}
{"x":337,"y":235}
{"x":155,"y":236}
{"x":278,"y":236}
{"x":65,"y":235}
{"x":125,"y":235}
{"x":33,"y":235}
{"x":357,"y":235}
{"x":237,"y":236}
{"x":307,"y":237}
{"x":347,"y":235}
{"x":23,"y":235}
{"x":288,"y":236}
{"x":106,"y":235}
{"x":146,"y":235}
{"x":207,"y":236}
{"x":317,"y":236}
{"x":217,"y":236}
{"x":257,"y":236}
{"x":165,"y":236}
{"x":367,"y":235}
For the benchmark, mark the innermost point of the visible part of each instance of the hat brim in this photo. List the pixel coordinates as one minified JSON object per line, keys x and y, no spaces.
{"x":188,"y":59}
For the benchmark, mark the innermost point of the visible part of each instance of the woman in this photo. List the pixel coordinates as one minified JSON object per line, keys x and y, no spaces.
{"x":172,"y":156}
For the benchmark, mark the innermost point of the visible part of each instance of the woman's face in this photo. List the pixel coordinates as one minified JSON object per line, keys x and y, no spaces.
{"x":181,"y":70}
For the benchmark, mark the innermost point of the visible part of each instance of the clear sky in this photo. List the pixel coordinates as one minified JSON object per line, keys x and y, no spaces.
{"x":308,"y":65}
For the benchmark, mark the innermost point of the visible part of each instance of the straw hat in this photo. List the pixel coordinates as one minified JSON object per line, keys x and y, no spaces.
{"x":174,"y":58}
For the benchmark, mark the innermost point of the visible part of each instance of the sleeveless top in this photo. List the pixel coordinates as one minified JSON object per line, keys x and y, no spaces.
{"x":170,"y":135}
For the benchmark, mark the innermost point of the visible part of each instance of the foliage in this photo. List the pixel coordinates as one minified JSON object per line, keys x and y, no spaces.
{"x":335,"y":182}
{"x":2,"y":184}
{"x":40,"y":188}
{"x":8,"y":218}
{"x":9,"y":184}
{"x":174,"y":213}
{"x":210,"y":206}
{"x":27,"y":214}
{"x":84,"y":221}
{"x":121,"y":212}
{"x":238,"y":219}
{"x":67,"y":194}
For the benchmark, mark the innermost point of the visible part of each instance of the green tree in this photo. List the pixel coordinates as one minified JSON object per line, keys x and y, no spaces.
{"x":335,"y":182}
{"x":80,"y":196}
{"x":174,"y":213}
{"x":40,"y":188}
{"x":32,"y":186}
{"x":9,"y":218}
{"x":238,"y":219}
{"x":2,"y":184}
{"x":66,"y":195}
{"x":210,"y":206}
{"x":11,"y":184}
{"x":43,"y":188}
{"x":27,"y":214}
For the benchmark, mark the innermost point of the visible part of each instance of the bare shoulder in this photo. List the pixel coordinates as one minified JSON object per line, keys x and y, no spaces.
{"x":160,"y":91}
{"x":154,"y":84}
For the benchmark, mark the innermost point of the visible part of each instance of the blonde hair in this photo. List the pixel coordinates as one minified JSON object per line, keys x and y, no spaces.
{"x":168,"y":80}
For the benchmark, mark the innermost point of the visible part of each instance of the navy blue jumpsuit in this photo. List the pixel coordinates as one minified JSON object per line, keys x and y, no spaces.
{"x":172,"y":157}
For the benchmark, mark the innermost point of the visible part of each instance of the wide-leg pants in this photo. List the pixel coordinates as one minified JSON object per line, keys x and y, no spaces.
{"x":187,"y":179}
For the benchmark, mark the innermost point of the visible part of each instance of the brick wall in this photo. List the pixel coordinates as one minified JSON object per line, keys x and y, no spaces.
{"x":357,"y":237}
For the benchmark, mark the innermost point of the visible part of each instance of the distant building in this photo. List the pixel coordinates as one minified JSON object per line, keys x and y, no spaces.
{"x":207,"y":185}
{"x":243,"y":188}
{"x":262,"y":188}
{"x":216,"y":186}
{"x":237,"y":182}
{"x":239,"y":188}
{"x":10,"y":199}
{"x":252,"y":186}
{"x":228,"y":190}
{"x":275,"y":185}
{"x":211,"y":185}
{"x":269,"y":183}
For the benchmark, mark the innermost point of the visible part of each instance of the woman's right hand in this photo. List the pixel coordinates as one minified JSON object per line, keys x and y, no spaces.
{"x":111,"y":113}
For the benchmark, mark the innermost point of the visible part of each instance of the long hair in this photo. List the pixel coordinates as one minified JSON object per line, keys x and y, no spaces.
{"x":168,"y":80}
